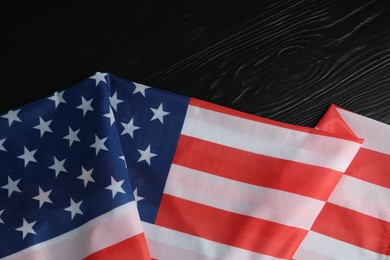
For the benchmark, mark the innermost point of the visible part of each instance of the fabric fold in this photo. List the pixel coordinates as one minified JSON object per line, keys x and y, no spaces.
{"x":355,"y":221}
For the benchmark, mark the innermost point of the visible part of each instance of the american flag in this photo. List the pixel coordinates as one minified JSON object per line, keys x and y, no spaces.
{"x":91,"y":171}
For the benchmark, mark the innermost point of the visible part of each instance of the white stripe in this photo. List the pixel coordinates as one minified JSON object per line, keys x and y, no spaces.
{"x":108,"y":229}
{"x":376,"y":134}
{"x":317,"y":246}
{"x":169,"y":244}
{"x":268,"y":139}
{"x":242,"y":198}
{"x":362,"y":196}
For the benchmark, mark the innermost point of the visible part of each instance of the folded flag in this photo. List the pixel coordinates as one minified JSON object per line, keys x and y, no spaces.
{"x":90,"y":171}
{"x":355,"y":221}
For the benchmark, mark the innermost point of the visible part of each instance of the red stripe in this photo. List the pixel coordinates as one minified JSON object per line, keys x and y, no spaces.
{"x":353,"y":227}
{"x":332,"y":122}
{"x":229,"y":228}
{"x":229,"y":111}
{"x":243,"y":166}
{"x":131,"y":248}
{"x":371,"y":166}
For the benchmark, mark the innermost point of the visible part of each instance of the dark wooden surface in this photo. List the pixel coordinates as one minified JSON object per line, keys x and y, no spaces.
{"x":284,"y":60}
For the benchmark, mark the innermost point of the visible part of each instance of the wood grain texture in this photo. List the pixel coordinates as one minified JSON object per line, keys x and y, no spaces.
{"x":284,"y":60}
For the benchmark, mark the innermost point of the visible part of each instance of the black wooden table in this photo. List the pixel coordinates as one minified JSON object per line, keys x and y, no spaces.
{"x":284,"y":60}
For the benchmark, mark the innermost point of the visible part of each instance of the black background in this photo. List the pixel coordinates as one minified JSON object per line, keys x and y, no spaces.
{"x":284,"y":60}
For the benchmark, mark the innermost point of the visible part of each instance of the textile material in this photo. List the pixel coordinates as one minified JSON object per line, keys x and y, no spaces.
{"x":243,"y":187}
{"x":65,"y":192}
{"x":355,"y":221}
{"x":113,"y":169}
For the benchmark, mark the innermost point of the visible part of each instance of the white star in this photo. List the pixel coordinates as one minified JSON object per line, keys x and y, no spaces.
{"x":28,"y":156}
{"x":98,"y":77}
{"x":140,"y":88}
{"x":43,"y":126}
{"x":114,"y":101}
{"x":136,"y":197}
{"x":12,"y":116}
{"x":2,"y":148}
{"x":85,"y":105}
{"x":27,"y":228}
{"x":1,"y":212}
{"x":58,"y":166}
{"x":11,"y":186}
{"x":74,"y":208}
{"x":146,"y":155}
{"x":72,"y":136}
{"x":124,"y":160}
{"x":99,"y":144}
{"x":86,"y":176}
{"x":115,"y":187}
{"x":111,"y":116}
{"x":57,"y":98}
{"x":129,"y":128}
{"x":159,"y":113}
{"x":43,"y":197}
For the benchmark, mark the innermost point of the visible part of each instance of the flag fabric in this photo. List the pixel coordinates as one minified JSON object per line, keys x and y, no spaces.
{"x":237,"y":186}
{"x":355,"y":221}
{"x":65,"y":192}
{"x":114,"y":169}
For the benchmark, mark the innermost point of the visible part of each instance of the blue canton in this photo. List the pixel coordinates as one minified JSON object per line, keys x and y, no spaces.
{"x":74,"y":155}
